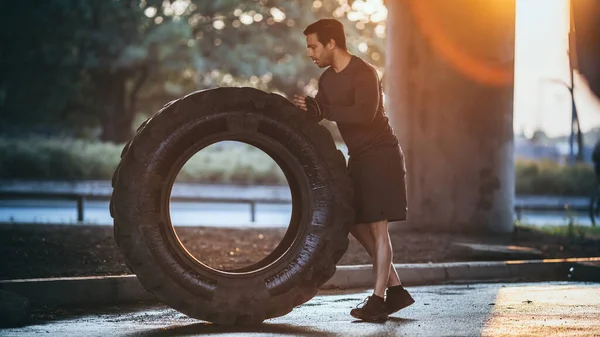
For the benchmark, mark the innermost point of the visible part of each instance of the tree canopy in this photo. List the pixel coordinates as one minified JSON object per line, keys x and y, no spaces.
{"x":86,"y":68}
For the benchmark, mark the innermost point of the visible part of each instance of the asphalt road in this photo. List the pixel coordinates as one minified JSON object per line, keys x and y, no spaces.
{"x":518,"y":309}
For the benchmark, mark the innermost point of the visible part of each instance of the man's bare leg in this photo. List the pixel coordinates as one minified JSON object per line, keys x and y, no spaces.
{"x":382,"y":256}
{"x":376,"y":240}
{"x":362,"y":233}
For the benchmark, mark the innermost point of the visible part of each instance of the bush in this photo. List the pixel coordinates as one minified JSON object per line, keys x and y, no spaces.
{"x":69,"y":159}
{"x":550,"y":178}
{"x":232,"y":163}
{"x":229,"y":162}
{"x":60,"y":159}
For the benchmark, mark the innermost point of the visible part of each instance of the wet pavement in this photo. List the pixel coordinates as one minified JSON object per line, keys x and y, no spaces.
{"x":515,"y":309}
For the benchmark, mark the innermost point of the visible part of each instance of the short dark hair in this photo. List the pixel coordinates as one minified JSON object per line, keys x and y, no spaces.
{"x":327,"y":29}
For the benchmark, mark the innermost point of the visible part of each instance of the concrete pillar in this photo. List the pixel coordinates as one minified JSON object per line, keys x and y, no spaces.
{"x":449,"y":94}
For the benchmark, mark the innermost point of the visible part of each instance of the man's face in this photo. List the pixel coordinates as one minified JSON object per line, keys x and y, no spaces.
{"x":321,"y":55}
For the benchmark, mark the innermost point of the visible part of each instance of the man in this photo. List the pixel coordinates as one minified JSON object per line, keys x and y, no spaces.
{"x":350,"y":94}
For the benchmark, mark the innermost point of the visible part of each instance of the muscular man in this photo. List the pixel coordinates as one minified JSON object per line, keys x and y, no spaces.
{"x":350,"y":94}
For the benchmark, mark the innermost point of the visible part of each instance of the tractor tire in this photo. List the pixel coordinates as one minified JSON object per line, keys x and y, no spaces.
{"x":314,"y":242}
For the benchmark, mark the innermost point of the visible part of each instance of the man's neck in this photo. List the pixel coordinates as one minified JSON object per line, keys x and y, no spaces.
{"x":341,"y":59}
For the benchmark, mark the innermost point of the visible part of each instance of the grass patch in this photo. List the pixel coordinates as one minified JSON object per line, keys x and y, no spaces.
{"x":566,"y":231}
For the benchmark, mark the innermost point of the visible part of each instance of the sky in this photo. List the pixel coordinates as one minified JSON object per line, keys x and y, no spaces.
{"x":541,"y":48}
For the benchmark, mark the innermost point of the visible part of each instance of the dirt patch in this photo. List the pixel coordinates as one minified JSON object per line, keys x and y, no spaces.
{"x":31,"y":251}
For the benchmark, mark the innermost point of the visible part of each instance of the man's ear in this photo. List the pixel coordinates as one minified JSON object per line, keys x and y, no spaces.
{"x":331,"y":44}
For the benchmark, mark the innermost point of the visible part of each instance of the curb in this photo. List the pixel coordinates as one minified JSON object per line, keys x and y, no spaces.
{"x":113,"y":290}
{"x":360,"y":276}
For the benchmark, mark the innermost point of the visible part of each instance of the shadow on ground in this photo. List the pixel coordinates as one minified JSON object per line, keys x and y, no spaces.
{"x":268,"y":328}
{"x":202,"y":328}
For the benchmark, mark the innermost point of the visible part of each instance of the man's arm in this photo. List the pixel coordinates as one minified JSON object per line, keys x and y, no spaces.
{"x":320,"y":96}
{"x":366,"y":102}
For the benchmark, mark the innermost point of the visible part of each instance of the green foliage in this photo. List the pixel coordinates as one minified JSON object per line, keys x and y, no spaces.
{"x":72,"y":159}
{"x":39,"y":158}
{"x":550,"y":178}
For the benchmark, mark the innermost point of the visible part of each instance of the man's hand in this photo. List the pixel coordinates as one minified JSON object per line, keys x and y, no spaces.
{"x":310,"y":105}
{"x":300,"y":101}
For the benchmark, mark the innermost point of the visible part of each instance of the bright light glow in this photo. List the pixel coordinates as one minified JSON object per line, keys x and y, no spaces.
{"x":365,"y":10}
{"x":355,"y":16}
{"x":363,"y":47}
{"x":180,"y":6}
{"x":246,"y":19}
{"x":219,"y":24}
{"x":380,"y":30}
{"x":338,"y":13}
{"x":277,"y":14}
{"x":379,"y":16}
{"x":541,"y":54}
{"x":258,"y":17}
{"x":367,"y":7}
{"x":150,"y":12}
{"x":542,"y":310}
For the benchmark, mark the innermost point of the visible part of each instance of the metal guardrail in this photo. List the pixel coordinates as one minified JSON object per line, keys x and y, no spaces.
{"x":80,"y":199}
{"x":520,"y":208}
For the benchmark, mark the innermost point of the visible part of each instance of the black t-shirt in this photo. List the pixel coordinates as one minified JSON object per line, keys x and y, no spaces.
{"x":353,"y":99}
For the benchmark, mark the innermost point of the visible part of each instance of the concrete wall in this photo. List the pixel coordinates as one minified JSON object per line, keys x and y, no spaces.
{"x":449,"y":89}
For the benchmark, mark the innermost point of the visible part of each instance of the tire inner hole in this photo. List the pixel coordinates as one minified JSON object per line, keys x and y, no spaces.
{"x":211,"y":209}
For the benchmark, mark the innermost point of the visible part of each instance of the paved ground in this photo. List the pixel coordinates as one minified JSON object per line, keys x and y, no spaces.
{"x":522,"y":309}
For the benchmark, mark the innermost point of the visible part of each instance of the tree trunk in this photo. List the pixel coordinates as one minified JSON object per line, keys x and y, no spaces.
{"x":116,"y":117}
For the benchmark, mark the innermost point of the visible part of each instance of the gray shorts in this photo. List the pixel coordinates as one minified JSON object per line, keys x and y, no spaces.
{"x":379,"y":179}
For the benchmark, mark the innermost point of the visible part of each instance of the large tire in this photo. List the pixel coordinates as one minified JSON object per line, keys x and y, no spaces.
{"x":321,"y":197}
